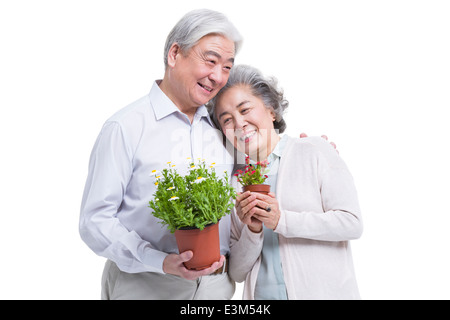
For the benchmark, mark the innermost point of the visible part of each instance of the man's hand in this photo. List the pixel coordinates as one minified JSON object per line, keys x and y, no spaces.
{"x":173,"y":264}
{"x":304,"y":135}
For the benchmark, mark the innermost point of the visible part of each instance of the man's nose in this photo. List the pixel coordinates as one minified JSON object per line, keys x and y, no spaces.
{"x":217,"y":75}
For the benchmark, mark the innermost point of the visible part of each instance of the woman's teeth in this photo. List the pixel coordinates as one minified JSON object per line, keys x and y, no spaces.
{"x":248,"y":136}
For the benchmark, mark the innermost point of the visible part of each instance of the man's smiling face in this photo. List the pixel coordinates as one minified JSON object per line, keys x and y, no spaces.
{"x":203,"y":70}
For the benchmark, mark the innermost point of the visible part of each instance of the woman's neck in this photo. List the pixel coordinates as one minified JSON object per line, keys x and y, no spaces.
{"x":263,"y":154}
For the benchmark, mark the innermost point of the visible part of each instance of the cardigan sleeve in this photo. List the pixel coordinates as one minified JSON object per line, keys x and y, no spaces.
{"x":337,"y":217}
{"x":245,"y":248}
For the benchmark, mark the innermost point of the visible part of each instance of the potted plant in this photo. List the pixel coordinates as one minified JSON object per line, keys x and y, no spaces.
{"x":191,"y":206}
{"x":253,"y":176}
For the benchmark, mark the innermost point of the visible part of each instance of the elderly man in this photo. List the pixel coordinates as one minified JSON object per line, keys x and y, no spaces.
{"x":171,"y":123}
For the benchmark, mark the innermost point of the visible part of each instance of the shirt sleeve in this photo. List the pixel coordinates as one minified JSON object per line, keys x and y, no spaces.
{"x":110,"y":169}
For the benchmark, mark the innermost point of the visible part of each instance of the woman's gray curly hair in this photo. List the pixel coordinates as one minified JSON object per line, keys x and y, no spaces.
{"x":264,"y":88}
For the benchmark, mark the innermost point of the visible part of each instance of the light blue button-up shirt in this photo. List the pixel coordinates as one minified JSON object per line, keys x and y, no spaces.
{"x":270,"y":282}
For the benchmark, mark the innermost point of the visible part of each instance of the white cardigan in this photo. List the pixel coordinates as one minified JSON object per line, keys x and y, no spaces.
{"x":320,"y":213}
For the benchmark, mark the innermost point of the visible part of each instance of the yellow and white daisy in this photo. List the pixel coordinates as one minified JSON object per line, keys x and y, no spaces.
{"x":154,"y":173}
{"x":199,"y":180}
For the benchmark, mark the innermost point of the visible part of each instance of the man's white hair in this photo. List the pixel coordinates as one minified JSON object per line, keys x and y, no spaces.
{"x":199,"y":23}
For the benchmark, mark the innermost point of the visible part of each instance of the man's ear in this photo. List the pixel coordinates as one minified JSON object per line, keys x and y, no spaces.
{"x":174,"y":51}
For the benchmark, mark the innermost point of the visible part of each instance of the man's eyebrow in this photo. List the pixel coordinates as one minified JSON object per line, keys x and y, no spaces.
{"x":238,"y":106}
{"x":217,"y":55}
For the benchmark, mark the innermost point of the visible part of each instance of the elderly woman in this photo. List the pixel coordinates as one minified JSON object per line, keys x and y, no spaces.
{"x":299,"y":249}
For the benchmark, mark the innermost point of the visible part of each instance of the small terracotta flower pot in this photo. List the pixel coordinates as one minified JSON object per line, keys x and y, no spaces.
{"x":260,"y":188}
{"x":205,"y":244}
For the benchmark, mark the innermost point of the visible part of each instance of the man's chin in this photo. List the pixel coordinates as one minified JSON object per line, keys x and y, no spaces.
{"x":202,"y":102}
{"x":203,"y":96}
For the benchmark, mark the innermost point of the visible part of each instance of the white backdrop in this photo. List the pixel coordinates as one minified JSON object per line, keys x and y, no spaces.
{"x":372,"y":75}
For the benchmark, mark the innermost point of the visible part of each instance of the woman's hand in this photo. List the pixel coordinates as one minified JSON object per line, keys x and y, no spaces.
{"x":245,"y":208}
{"x":254,"y":209}
{"x":267,"y":211}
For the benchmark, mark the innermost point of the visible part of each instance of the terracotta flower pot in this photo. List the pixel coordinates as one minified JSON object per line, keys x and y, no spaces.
{"x":205,"y":244}
{"x":260,"y":188}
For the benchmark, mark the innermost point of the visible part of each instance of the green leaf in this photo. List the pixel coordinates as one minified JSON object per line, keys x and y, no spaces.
{"x":199,"y":201}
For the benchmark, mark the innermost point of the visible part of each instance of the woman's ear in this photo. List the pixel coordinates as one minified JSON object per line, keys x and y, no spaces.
{"x":173,"y":54}
{"x":274,"y":116}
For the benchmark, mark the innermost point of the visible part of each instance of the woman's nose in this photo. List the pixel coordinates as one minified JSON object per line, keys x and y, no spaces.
{"x":240,"y":123}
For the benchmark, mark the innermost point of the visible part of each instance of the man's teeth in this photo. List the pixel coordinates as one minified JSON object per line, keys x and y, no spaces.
{"x":205,"y":87}
{"x":248,"y":136}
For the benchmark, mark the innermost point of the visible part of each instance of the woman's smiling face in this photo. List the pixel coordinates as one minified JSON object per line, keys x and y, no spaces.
{"x":247,"y":122}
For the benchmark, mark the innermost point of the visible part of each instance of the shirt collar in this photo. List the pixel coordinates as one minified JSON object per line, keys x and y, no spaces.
{"x":202,"y":112}
{"x":277,"y":152}
{"x":163,"y":106}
